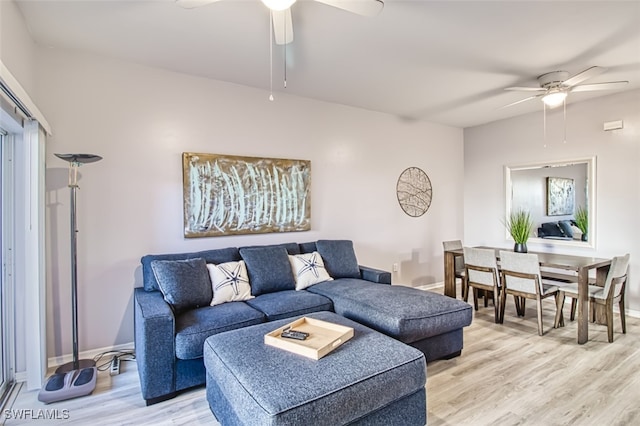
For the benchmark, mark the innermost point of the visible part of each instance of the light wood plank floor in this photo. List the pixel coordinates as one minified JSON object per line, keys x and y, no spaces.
{"x":507,"y":375}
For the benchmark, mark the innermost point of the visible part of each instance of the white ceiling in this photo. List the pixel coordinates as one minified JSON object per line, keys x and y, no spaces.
{"x":439,"y":61}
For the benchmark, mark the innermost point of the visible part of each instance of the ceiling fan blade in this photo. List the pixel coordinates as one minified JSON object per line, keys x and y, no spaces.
{"x":359,"y":7}
{"x":582,"y":76}
{"x":190,"y":4}
{"x":520,"y":101}
{"x":526,"y":89}
{"x":599,"y":86}
{"x":282,"y":26}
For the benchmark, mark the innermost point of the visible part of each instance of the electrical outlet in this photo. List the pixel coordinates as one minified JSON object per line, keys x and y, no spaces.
{"x":395,"y":267}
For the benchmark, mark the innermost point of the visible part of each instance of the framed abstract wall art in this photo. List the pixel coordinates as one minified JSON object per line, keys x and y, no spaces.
{"x":414,"y":191}
{"x":228,"y":195}
{"x":561,"y":196}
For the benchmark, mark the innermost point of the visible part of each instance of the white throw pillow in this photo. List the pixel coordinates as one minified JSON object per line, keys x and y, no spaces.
{"x":230,"y":282}
{"x":577,"y":233}
{"x":308,"y":269}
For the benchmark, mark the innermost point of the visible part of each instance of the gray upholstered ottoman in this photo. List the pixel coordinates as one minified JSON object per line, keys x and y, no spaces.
{"x":371,"y":379}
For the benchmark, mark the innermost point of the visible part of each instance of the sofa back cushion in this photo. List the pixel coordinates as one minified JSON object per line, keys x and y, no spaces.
{"x":185,"y":284}
{"x":339,"y":258}
{"x":291,"y":248}
{"x":308,"y":247}
{"x":269,"y":269}
{"x":550,"y":229}
{"x":565,"y":226}
{"x":149,"y":281}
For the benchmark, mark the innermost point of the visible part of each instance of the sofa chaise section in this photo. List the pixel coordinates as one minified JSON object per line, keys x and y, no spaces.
{"x":428,"y":321}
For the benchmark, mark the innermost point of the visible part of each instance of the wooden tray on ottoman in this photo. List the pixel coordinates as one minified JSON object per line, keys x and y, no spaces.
{"x":323,"y":337}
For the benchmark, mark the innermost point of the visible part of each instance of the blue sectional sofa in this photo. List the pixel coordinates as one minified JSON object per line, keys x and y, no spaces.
{"x":173,"y":317}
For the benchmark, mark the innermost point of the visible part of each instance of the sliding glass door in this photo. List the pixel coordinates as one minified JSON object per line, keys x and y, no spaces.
{"x":3,"y":376}
{"x":6,"y":277}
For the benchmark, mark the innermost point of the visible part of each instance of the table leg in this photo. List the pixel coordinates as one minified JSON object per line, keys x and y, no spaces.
{"x":583,"y":305}
{"x":450,"y":274}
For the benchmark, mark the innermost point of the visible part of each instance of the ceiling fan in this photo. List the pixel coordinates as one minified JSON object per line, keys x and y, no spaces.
{"x":556,"y":85}
{"x":281,"y":12}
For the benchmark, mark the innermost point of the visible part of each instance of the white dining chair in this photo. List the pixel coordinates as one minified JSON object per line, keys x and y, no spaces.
{"x":481,"y":271}
{"x":520,"y":276}
{"x":612,"y":291}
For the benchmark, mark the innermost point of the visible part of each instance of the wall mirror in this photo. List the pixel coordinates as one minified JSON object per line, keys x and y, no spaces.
{"x":553,"y":192}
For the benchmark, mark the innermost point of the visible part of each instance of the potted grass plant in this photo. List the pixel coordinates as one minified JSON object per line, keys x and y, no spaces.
{"x":582,"y":221}
{"x":519,"y":225}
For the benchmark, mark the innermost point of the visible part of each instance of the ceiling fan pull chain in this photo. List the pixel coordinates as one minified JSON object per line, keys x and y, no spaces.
{"x":564,"y":112}
{"x":284,"y":46}
{"x":270,"y":56}
{"x":544,"y":124}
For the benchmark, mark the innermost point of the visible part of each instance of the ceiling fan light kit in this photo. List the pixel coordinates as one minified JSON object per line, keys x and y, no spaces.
{"x":554,"y":98}
{"x":278,"y":5}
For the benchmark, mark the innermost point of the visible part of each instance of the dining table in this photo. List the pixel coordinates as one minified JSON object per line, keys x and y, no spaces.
{"x":581,"y":265}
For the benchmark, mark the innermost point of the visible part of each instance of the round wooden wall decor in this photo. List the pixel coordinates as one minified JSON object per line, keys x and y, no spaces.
{"x":414,"y":191}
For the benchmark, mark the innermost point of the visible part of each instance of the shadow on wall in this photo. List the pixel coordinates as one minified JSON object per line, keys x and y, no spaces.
{"x":125,"y":332}
{"x":411,"y":271}
{"x":56,"y":179}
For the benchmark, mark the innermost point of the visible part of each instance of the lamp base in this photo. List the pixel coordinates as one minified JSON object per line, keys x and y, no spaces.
{"x":76,"y":365}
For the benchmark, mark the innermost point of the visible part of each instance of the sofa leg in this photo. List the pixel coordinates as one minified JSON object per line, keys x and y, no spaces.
{"x":152,"y":401}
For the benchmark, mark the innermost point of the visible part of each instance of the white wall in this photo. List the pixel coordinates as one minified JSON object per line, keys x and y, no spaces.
{"x":488,"y":148}
{"x":17,"y":49}
{"x":130,"y":204}
{"x":18,"y":55}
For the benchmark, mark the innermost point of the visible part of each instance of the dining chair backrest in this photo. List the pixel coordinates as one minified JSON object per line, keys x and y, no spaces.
{"x":452,"y":245}
{"x":455,"y":245}
{"x":525,"y":263}
{"x":617,"y":274}
{"x":485,"y":258}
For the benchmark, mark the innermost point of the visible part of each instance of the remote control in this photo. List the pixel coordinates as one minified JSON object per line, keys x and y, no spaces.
{"x":292,"y":334}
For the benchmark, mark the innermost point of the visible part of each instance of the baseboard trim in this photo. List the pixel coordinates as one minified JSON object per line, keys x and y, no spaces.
{"x":21,"y":376}
{"x":430,"y":286}
{"x":90,"y":354}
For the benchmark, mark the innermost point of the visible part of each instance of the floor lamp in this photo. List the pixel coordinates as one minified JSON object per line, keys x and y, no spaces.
{"x":78,"y":377}
{"x":75,"y":161}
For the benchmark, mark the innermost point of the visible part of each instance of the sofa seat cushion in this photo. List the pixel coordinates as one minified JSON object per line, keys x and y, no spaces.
{"x":194,"y":326}
{"x":288,"y":303}
{"x":406,"y":313}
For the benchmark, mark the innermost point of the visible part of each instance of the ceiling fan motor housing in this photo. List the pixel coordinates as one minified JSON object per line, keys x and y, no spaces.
{"x":553,"y":79}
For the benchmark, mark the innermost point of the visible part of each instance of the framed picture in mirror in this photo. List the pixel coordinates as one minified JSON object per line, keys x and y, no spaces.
{"x":561,"y":196}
